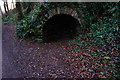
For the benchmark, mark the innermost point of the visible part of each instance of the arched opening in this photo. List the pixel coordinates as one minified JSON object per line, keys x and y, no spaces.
{"x":60,"y":26}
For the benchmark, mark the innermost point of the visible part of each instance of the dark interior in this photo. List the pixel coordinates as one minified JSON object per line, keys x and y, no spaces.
{"x":60,"y":26}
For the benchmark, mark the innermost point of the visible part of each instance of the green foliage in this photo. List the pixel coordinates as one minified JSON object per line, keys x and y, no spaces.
{"x":85,"y":18}
{"x":104,"y":31}
{"x":101,"y":40}
{"x":31,"y":26}
{"x":11,"y":16}
{"x":26,"y":28}
{"x":99,"y":25}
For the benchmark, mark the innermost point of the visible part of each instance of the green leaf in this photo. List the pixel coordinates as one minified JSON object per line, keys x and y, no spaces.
{"x":107,"y":57}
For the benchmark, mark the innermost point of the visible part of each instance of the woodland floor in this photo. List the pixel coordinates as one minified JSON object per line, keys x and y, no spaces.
{"x":22,"y":58}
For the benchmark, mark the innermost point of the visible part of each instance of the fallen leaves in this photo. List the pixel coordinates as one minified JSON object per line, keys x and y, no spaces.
{"x":95,"y":63}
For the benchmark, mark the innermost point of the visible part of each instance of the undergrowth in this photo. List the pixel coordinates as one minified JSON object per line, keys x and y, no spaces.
{"x":100,"y":35}
{"x":102,"y":40}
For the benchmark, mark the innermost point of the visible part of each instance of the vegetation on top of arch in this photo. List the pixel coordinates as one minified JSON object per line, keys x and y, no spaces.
{"x":100,"y":20}
{"x":31,"y":25}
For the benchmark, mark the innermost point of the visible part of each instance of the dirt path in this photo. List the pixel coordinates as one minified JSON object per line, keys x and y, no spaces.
{"x":23,"y":58}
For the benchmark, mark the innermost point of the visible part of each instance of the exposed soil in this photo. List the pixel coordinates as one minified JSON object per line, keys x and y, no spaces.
{"x":26,"y":59}
{"x":22,"y":58}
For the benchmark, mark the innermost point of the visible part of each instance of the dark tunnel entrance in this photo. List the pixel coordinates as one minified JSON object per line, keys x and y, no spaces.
{"x":60,"y":26}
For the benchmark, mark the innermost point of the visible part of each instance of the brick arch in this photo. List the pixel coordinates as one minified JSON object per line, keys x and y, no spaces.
{"x":48,"y":11}
{"x":43,"y":12}
{"x":62,"y":10}
{"x":69,"y":31}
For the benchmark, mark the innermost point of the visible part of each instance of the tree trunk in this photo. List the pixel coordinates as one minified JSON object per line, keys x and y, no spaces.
{"x":5,"y":8}
{"x":30,"y":6}
{"x":24,"y":5}
{"x":19,"y":10}
{"x":7,"y":5}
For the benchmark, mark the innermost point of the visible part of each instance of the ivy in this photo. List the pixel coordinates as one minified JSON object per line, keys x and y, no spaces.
{"x":103,"y":36}
{"x":28,"y":27}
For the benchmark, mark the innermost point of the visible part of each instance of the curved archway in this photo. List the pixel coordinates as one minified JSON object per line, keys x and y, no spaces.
{"x":49,"y":16}
{"x":60,"y":26}
{"x":39,"y":16}
{"x":49,"y":10}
